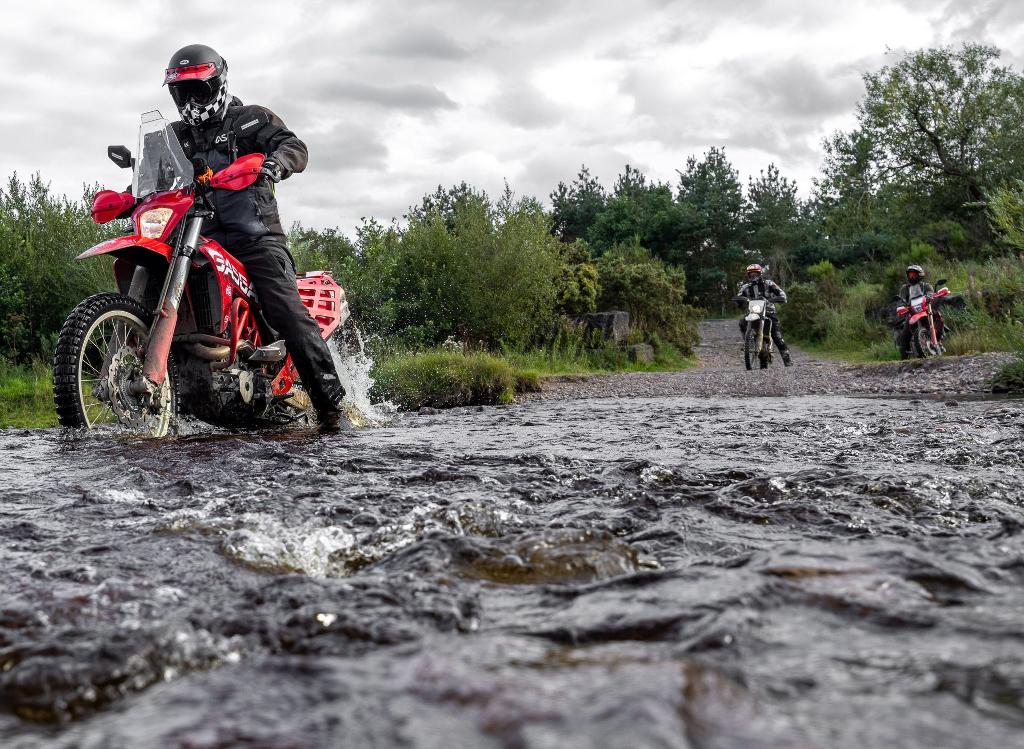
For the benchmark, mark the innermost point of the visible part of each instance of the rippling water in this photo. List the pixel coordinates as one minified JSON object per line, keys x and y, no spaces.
{"x":799,"y":572}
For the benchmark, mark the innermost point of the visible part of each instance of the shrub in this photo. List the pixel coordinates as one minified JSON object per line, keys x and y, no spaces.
{"x":652,"y":293}
{"x":804,"y":315}
{"x":576,"y":283}
{"x":40,"y":280}
{"x":476,"y":271}
{"x":444,"y":379}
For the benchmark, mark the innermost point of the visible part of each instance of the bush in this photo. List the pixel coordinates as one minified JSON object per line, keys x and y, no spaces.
{"x":1010,"y":379}
{"x":577,"y":286}
{"x":40,"y":280}
{"x":804,"y":315}
{"x":652,"y":292}
{"x":443,"y":379}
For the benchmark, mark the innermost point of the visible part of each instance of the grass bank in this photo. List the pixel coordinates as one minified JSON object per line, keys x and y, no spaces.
{"x":447,"y":378}
{"x":436,"y":378}
{"x":26,"y":396}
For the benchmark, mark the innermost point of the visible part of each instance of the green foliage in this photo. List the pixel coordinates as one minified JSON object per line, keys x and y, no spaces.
{"x":575,"y":207}
{"x":1010,"y":379}
{"x":804,"y":316}
{"x":651,"y":291}
{"x":26,"y":395}
{"x":40,"y":280}
{"x":476,"y":271}
{"x":443,"y":379}
{"x":1006,"y":213}
{"x":772,"y":221}
{"x":576,"y":283}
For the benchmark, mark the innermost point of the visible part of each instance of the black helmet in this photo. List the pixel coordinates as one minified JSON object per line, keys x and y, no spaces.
{"x":915,"y":274}
{"x":197,"y":78}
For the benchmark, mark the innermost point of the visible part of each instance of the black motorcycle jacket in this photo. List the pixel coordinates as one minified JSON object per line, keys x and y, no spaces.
{"x":763,"y":289}
{"x":909,"y":291}
{"x":252,"y":213}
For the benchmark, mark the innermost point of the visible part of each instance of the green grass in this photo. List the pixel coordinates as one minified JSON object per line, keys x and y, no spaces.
{"x":26,"y":396}
{"x":439,"y":379}
{"x":577,"y":360}
{"x":1010,"y":379}
{"x":443,"y":379}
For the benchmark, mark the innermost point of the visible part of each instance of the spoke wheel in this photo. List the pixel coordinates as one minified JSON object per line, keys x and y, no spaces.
{"x":100,"y":353}
{"x":922,"y":342}
{"x":750,"y":347}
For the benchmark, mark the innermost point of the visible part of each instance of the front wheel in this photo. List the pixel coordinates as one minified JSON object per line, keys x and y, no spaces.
{"x":922,"y":344}
{"x":751,"y":350}
{"x":100,"y":352}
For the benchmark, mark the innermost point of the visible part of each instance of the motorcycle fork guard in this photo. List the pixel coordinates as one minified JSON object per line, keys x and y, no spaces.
{"x":161,"y":334}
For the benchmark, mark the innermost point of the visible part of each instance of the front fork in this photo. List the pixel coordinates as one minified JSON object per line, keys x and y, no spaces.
{"x":161,"y":334}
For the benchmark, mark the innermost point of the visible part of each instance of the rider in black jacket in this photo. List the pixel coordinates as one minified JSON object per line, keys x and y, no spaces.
{"x":759,"y":287}
{"x":218,"y":128}
{"x":914,"y":287}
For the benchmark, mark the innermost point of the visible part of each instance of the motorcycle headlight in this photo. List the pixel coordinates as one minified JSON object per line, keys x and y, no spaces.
{"x":153,"y":222}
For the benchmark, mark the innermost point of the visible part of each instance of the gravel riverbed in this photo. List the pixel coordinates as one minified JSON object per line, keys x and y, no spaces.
{"x":720,"y":372}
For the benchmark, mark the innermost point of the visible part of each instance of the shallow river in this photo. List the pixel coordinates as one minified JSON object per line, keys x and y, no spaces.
{"x":797,"y":572}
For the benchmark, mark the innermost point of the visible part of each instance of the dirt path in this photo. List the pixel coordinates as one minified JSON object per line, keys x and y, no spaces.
{"x":721,"y":372}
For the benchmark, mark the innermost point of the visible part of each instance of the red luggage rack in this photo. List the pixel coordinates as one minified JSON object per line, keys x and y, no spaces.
{"x":325,"y":300}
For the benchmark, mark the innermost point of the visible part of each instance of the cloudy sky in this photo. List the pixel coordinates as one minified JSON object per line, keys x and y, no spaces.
{"x":395,"y":97}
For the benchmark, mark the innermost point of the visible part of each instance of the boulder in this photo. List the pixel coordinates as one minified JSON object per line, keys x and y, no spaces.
{"x":640,"y":352}
{"x":612,"y":326}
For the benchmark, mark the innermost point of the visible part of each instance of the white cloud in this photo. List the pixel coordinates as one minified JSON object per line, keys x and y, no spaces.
{"x":395,"y":98}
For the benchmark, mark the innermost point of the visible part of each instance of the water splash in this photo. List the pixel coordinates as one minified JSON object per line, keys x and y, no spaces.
{"x":354,"y":370}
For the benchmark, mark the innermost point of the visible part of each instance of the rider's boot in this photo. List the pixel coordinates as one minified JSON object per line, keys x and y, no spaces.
{"x":327,"y":395}
{"x":786,"y":358}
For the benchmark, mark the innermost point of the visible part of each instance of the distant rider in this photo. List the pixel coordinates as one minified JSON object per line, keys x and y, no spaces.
{"x":914,"y":287}
{"x":759,"y":287}
{"x":218,"y":128}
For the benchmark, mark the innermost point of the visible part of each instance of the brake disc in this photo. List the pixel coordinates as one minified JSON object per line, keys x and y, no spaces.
{"x":140,"y":412}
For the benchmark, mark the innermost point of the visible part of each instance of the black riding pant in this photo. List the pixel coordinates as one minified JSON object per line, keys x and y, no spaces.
{"x":780,"y":343}
{"x":272,"y":271}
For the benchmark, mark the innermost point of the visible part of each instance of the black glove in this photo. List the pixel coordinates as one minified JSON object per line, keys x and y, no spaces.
{"x":271,"y":170}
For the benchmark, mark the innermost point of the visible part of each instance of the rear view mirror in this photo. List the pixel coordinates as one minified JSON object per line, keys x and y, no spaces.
{"x":109,"y":204}
{"x":941,"y":282}
{"x":121,"y":156}
{"x":240,"y":174}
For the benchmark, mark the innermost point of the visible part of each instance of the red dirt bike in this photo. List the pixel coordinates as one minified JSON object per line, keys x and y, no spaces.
{"x":927,"y":326}
{"x":184,"y":333}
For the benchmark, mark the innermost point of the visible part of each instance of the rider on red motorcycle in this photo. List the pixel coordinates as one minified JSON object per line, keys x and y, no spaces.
{"x":214,"y":130}
{"x":915,"y":286}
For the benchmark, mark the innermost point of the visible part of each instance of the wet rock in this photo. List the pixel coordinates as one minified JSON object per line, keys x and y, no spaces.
{"x":428,"y":411}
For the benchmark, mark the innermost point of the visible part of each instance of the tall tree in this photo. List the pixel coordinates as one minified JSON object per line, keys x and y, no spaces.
{"x":575,"y":206}
{"x":710,"y":188}
{"x":945,"y":125}
{"x":772,"y":220}
{"x":643,"y":212}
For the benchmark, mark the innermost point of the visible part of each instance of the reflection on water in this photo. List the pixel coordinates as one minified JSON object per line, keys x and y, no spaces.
{"x":678,"y":572}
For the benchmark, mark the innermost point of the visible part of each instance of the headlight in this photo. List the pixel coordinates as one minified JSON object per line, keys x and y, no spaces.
{"x":153,"y":222}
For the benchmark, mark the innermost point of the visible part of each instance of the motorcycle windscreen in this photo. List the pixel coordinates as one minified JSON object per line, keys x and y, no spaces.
{"x":160,"y":162}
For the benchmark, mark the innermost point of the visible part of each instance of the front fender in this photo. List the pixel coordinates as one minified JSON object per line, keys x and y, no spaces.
{"x":917,"y":317}
{"x":129,"y":242}
{"x":752,"y":317}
